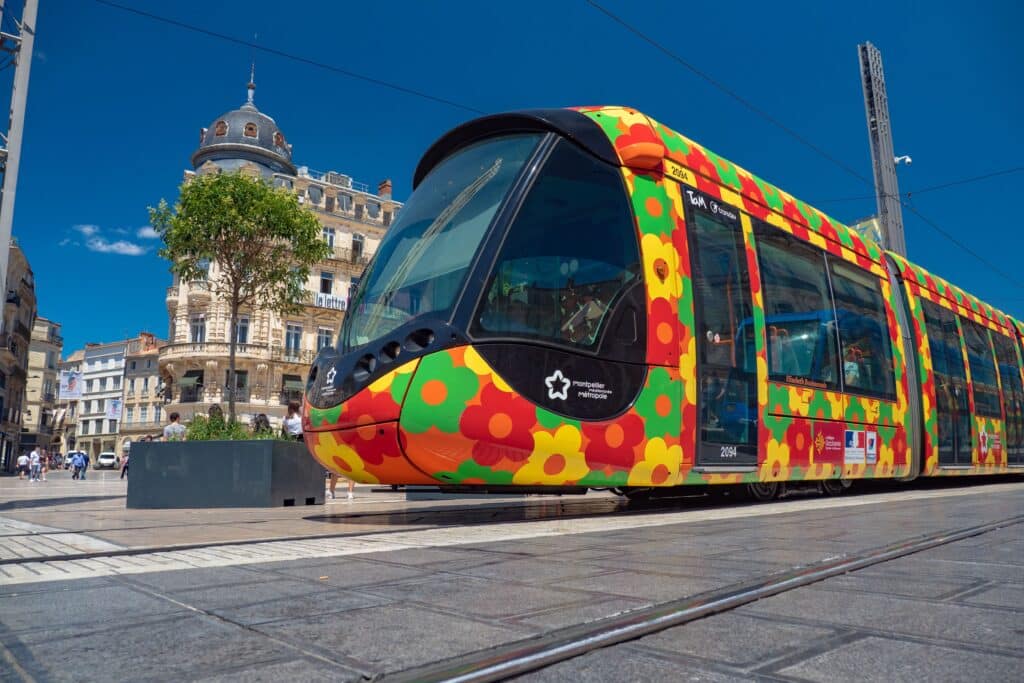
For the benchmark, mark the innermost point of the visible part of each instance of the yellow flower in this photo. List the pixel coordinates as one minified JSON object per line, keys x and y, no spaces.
{"x":687,"y":367}
{"x":871,"y":409}
{"x":762,"y":381}
{"x":661,"y":259}
{"x":661,"y":457}
{"x":800,"y":400}
{"x":475,"y":362}
{"x":340,"y":458}
{"x":384,"y":383}
{"x":556,"y":459}
{"x":835,"y":404}
{"x":776,"y":463}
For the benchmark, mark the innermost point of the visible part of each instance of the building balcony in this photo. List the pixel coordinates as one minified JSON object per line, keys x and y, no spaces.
{"x":348,"y":255}
{"x":322,"y":300}
{"x":199,"y":290}
{"x":172,"y":294}
{"x":215,"y":349}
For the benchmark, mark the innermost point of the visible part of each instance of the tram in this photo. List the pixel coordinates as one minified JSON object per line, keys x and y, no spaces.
{"x":584,"y":298}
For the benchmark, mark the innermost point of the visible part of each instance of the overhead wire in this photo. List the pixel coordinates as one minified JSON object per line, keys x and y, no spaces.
{"x":294,"y":57}
{"x":930,"y":188}
{"x":792,"y":133}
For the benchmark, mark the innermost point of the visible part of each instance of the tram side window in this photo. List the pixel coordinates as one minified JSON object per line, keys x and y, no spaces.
{"x":863,"y":331}
{"x":569,"y":258}
{"x":799,"y":319}
{"x":983,"y":372}
{"x":1013,"y":392}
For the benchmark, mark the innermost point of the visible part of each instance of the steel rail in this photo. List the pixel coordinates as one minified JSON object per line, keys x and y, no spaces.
{"x":541,"y":651}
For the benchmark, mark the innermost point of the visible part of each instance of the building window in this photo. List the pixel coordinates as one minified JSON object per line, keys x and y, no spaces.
{"x":131,"y":386}
{"x":373,"y":209}
{"x":387,"y":218}
{"x":220,"y":128}
{"x":329,"y":203}
{"x":129,"y":416}
{"x":112,"y":426}
{"x":88,"y":385}
{"x":85,"y":427}
{"x":278,"y":140}
{"x":51,"y":360}
{"x":117,"y":382}
{"x":358,"y":243}
{"x":315,"y":194}
{"x":293,"y":340}
{"x":143,"y":414}
{"x":98,"y":426}
{"x":286,"y":183}
{"x":329,"y":237}
{"x":323,"y":337}
{"x":344,"y":202}
{"x":243,"y":329}
{"x":149,"y":363}
{"x":145,"y":385}
{"x":326,"y":282}
{"x":198,"y":329}
{"x":156,"y":413}
{"x":250,"y":130}
{"x":132,"y":365}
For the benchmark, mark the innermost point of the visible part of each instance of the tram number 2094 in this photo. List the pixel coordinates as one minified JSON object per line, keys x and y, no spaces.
{"x":728,"y":452}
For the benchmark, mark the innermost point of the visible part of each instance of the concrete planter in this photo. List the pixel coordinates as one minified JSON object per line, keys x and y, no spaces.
{"x":211,"y":474}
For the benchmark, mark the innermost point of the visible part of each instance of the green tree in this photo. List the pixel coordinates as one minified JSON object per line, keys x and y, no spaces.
{"x":253,"y":244}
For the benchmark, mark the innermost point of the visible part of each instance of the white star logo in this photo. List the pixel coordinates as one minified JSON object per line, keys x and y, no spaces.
{"x":329,"y":377}
{"x":558,"y":379}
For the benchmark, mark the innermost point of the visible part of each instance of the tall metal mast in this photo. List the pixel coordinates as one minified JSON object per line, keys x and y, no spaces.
{"x":876,"y":108}
{"x":19,"y":46}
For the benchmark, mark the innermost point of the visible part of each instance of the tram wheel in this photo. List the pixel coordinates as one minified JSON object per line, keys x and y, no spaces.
{"x":834,"y":487}
{"x":763,"y":491}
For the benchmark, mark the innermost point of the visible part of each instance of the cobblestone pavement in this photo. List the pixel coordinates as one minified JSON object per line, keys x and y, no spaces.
{"x":381,"y":599}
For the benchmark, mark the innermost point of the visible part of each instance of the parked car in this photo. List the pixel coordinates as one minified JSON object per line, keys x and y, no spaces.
{"x":108,"y":460}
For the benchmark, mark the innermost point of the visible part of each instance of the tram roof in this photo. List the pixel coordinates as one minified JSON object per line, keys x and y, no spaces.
{"x":621,"y":131}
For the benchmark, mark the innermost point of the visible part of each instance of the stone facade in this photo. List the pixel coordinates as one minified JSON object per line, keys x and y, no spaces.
{"x":102,"y":377}
{"x":274,"y":351}
{"x":41,"y":412}
{"x":15,"y":338}
{"x":143,"y":406}
{"x":66,"y":427}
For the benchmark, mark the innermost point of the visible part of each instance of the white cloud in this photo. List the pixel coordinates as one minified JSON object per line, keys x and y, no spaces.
{"x":87,"y":230}
{"x":119,"y":247}
{"x":147,"y":232}
{"x":66,"y":241}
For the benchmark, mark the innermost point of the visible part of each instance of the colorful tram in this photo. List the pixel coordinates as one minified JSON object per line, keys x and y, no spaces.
{"x":584,"y":298}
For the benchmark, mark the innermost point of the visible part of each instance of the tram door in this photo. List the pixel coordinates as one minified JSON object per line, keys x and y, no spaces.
{"x":951,"y":406}
{"x":726,"y":357}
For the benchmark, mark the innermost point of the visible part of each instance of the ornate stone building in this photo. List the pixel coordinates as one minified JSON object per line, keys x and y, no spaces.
{"x":99,"y":413}
{"x":274,"y":352}
{"x":41,"y":393}
{"x":19,"y":316}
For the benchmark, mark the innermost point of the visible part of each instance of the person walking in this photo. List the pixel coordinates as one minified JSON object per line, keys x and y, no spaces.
{"x":124,"y":465}
{"x":35,"y":465}
{"x":76,"y":464}
{"x":174,"y":431}
{"x":85,"y":464}
{"x":45,"y":462}
{"x":332,"y":483}
{"x":292,"y":426}
{"x":22,"y":466}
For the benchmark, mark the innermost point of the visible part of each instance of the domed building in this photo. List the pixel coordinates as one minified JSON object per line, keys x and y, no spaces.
{"x":274,"y":352}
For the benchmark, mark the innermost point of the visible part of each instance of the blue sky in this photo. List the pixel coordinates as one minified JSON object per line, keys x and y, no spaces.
{"x":116,"y":102}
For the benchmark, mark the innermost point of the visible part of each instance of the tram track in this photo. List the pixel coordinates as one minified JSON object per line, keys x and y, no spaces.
{"x":531,"y":654}
{"x":431,"y":518}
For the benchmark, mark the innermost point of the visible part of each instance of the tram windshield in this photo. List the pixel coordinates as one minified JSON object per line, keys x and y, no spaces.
{"x":422,"y":261}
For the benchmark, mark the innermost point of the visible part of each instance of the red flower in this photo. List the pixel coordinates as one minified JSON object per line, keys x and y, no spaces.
{"x":614,"y":443}
{"x":798,"y":438}
{"x":899,"y":448}
{"x":371,"y":443}
{"x":501,"y":426}
{"x":662,"y":321}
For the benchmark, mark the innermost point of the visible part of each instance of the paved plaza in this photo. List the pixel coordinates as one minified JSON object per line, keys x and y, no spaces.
{"x":380,"y":586}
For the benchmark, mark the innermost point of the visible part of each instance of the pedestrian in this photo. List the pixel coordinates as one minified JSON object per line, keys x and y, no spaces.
{"x":22,"y":466}
{"x":292,"y":427}
{"x":85,"y":464}
{"x":35,"y":463}
{"x":261,"y":426}
{"x":124,"y":465}
{"x":76,"y":464}
{"x":174,"y":431}
{"x":45,"y":463}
